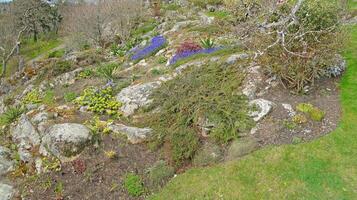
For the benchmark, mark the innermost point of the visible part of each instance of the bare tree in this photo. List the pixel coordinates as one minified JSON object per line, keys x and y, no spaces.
{"x":104,"y":20}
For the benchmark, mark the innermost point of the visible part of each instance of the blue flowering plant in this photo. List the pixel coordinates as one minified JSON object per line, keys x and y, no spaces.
{"x":156,"y":44}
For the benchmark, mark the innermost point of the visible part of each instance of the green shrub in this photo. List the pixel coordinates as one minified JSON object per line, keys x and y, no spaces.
{"x":56,"y":54}
{"x":69,"y":96}
{"x":161,"y":60}
{"x":11,"y":115}
{"x":99,"y":101}
{"x":133,"y":185}
{"x":204,"y":3}
{"x":61,"y":67}
{"x":209,"y":92}
{"x":159,"y":173}
{"x":310,"y":46}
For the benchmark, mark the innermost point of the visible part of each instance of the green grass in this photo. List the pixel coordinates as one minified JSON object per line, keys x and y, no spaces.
{"x":323,"y":169}
{"x":31,"y":49}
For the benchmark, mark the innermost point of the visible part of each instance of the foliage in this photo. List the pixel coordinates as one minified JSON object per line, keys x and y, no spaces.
{"x":188,"y":46}
{"x":99,"y":101}
{"x":11,"y":115}
{"x":161,"y":60}
{"x":207,"y":92}
{"x":156,"y":44}
{"x":204,"y":3}
{"x":318,"y":169}
{"x":299,"y":119}
{"x":31,"y":49}
{"x":61,"y":67}
{"x":51,"y":164}
{"x":87,"y":73}
{"x":106,"y":70}
{"x":133,"y":185}
{"x":207,"y":43}
{"x":159,"y":173}
{"x":179,"y":56}
{"x":299,"y":51}
{"x":111,"y":154}
{"x":56,"y":54}
{"x":69,"y":96}
{"x":49,"y":98}
{"x":144,"y":28}
{"x":33,"y":97}
{"x":315,"y":113}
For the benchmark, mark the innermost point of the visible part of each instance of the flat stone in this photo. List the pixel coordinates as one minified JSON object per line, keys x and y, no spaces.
{"x":234,"y":58}
{"x":6,"y":164}
{"x":135,"y":135}
{"x":136,"y":96}
{"x":6,"y":191}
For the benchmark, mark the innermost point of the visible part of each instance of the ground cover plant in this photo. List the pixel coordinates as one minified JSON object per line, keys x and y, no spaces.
{"x":156,"y":43}
{"x":209,"y":93}
{"x":321,"y":169}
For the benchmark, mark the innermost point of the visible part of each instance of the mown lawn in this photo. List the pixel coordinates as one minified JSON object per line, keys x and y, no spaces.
{"x":323,"y":169}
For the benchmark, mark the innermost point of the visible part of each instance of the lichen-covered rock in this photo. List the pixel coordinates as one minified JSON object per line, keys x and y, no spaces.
{"x":67,"y":79}
{"x":135,"y":135}
{"x":2,"y":105}
{"x":234,"y":58}
{"x":40,"y":117}
{"x":6,"y":191}
{"x":136,"y":96}
{"x":262,"y":106}
{"x":252,"y":82}
{"x":25,"y":136}
{"x":6,"y":164}
{"x":337,"y":68}
{"x":241,"y":147}
{"x":66,"y":140}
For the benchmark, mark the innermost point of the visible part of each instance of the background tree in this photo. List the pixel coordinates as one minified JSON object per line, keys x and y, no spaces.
{"x":40,"y":16}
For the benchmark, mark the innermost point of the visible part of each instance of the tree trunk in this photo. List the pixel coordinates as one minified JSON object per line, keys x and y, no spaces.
{"x":35,"y":36}
{"x":3,"y":71}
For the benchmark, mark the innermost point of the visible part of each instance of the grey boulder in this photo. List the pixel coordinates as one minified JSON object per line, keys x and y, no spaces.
{"x":66,"y":140}
{"x":135,"y":135}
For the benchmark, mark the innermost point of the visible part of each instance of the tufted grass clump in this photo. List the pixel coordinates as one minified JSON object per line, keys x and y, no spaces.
{"x":159,"y":173}
{"x":99,"y":101}
{"x":134,"y":185}
{"x":315,"y":113}
{"x":11,"y":115}
{"x":209,"y":92}
{"x":106,"y":70}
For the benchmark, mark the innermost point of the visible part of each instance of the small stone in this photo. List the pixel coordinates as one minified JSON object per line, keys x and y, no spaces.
{"x":241,"y":147}
{"x":290,"y":109}
{"x":6,"y":164}
{"x":40,"y":117}
{"x":263,"y":106}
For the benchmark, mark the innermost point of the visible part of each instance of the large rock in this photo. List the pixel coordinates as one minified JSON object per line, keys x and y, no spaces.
{"x":262,"y":106}
{"x":6,"y":164}
{"x":136,"y":96}
{"x":2,"y":105}
{"x":66,"y":140}
{"x":241,"y":147}
{"x":135,"y":135}
{"x":25,"y":136}
{"x":6,"y":192}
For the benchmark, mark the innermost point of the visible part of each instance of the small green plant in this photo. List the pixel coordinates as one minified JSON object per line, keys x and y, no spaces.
{"x":291,"y":125}
{"x":161,"y":60}
{"x":33,"y":97}
{"x":133,"y":185}
{"x":111,"y":154}
{"x":49,"y":98}
{"x":159,"y":173}
{"x":51,"y":164}
{"x":299,"y":119}
{"x":184,"y":145}
{"x":315,"y":113}
{"x":106,"y":70}
{"x":69,"y":96}
{"x":11,"y":115}
{"x":156,"y":72}
{"x":99,"y":101}
{"x":207,"y":43}
{"x":59,"y":190}
{"x":87,"y":73}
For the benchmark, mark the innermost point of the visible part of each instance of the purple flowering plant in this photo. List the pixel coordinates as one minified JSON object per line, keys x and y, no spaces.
{"x":189,"y":53}
{"x":157,"y":43}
